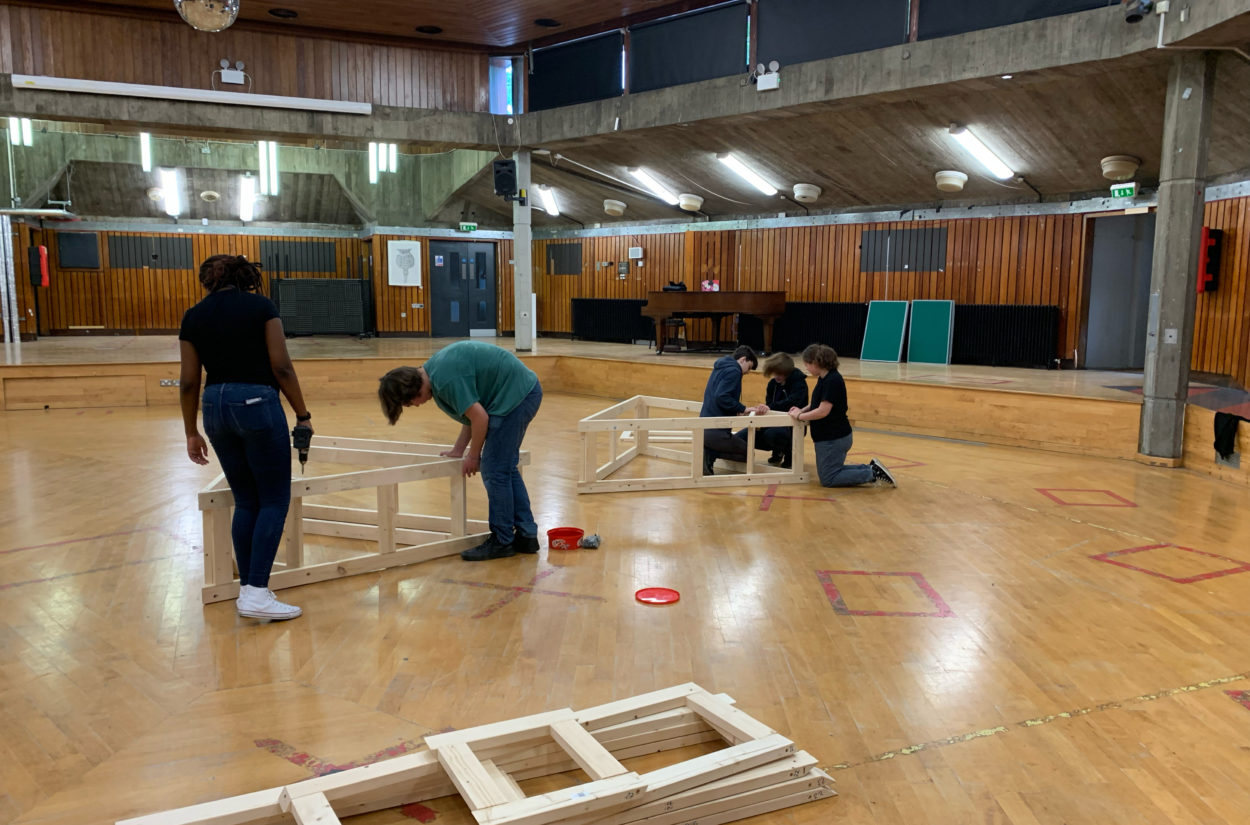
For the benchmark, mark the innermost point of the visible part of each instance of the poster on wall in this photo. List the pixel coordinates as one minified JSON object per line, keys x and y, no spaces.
{"x":403,"y":263}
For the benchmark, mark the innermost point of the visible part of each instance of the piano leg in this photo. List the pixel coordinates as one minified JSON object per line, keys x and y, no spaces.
{"x":768,"y":336}
{"x":659,"y":337}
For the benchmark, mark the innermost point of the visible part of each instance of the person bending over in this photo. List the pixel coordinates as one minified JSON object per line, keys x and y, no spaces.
{"x":236,"y":336}
{"x":787,"y":388}
{"x":720,"y":398}
{"x":494,"y":397}
{"x":831,"y":429}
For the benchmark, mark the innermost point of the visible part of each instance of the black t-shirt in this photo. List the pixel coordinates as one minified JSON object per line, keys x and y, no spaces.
{"x":830,"y":388}
{"x":227,"y":329}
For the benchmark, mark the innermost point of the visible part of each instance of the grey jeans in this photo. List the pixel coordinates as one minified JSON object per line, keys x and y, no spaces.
{"x":832,"y":468}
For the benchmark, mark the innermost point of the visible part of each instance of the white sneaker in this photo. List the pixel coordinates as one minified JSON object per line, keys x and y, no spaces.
{"x":261,"y":603}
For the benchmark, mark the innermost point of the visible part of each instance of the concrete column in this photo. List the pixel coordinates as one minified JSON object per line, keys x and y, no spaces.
{"x":522,"y":255}
{"x":1174,"y":275}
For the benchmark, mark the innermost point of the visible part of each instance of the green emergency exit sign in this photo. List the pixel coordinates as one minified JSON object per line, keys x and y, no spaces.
{"x":468,"y":227}
{"x":1124,"y":190}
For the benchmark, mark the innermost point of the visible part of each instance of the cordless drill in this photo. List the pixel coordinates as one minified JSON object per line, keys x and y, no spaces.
{"x":301,"y":439}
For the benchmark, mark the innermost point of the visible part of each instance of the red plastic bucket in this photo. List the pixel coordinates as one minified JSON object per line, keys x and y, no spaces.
{"x":564,"y":538}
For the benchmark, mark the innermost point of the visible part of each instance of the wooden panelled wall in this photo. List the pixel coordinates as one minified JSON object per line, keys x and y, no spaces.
{"x":1022,"y":260}
{"x":98,"y":46}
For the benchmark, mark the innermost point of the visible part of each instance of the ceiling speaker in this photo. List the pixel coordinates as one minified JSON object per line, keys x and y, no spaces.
{"x":208,"y":15}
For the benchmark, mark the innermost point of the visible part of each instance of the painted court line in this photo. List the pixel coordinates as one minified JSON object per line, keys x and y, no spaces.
{"x":516,"y":592}
{"x":1110,"y":558}
{"x":105,"y":569}
{"x":912,"y":750}
{"x":770,"y":494}
{"x":1116,"y":501}
{"x":942,"y":609}
{"x":322,"y":767}
{"x":76,"y":541}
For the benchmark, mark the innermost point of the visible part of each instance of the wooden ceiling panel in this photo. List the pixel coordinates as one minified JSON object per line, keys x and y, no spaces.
{"x":489,"y":24}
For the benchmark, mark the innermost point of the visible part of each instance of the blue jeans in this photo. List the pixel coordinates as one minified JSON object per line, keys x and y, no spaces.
{"x":831,"y":466}
{"x":247,"y":428}
{"x":505,"y":489}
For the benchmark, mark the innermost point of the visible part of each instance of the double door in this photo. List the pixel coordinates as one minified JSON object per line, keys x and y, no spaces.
{"x":462,"y":289}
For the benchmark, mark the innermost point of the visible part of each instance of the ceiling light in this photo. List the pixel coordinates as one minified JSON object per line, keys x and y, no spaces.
{"x":27,"y":132}
{"x":549,"y":200}
{"x":145,"y":151}
{"x":981,"y":152}
{"x":373,"y":162}
{"x":15,"y":131}
{"x":247,"y":198}
{"x":1005,"y":77}
{"x":393,"y":165}
{"x":653,"y":185}
{"x":746,"y":174}
{"x":172,"y":192}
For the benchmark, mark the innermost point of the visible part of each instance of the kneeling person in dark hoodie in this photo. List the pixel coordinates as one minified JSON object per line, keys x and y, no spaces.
{"x":721,"y":398}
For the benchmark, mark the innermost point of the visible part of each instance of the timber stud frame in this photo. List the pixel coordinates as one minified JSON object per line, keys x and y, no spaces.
{"x":403,"y":538}
{"x":631,"y":420}
{"x":758,"y":771}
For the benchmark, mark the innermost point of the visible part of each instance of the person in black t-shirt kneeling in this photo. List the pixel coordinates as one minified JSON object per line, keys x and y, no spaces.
{"x":831,"y":429}
{"x":236,"y":336}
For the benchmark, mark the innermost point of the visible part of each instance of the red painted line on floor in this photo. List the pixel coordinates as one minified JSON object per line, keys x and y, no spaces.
{"x":515,"y":592}
{"x":75,"y":541}
{"x":419,"y":812}
{"x":839,"y":605}
{"x":1118,"y":501}
{"x":1110,"y":558}
{"x":770,"y":495}
{"x":1241,"y":697}
{"x":322,"y":767}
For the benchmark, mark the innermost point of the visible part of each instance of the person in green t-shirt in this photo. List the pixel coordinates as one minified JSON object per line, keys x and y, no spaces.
{"x":494,"y":397}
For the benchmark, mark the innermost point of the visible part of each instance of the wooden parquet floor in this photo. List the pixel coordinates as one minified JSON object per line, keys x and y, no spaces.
{"x":1011,"y":636}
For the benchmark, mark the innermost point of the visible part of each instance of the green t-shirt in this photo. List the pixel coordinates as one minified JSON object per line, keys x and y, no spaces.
{"x":469,"y":372}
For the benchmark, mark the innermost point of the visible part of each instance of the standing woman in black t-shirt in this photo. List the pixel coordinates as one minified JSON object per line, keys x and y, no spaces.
{"x":831,"y":429}
{"x":236,"y":336}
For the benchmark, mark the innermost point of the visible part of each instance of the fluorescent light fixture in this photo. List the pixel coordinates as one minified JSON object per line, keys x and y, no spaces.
{"x":273,"y":167}
{"x":27,"y":132}
{"x":15,"y":132}
{"x":373,"y":163}
{"x":383,"y":154}
{"x":653,"y":185}
{"x":104,"y":87}
{"x":393,"y":166}
{"x":262,"y":148}
{"x":981,"y":152}
{"x":145,"y":151}
{"x":746,"y":174}
{"x":247,"y":198}
{"x":549,"y":200}
{"x":172,"y":192}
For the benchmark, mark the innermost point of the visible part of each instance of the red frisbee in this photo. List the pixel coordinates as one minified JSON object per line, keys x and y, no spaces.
{"x":657,"y":595}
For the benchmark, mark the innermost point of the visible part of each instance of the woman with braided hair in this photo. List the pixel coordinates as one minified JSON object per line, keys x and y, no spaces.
{"x":236,"y":337}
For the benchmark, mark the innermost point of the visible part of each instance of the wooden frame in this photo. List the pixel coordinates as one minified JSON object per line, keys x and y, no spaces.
{"x":759,"y":771}
{"x":403,"y":538}
{"x":631,"y":421}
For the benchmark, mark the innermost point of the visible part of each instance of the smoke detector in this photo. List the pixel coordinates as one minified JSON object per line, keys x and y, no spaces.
{"x":1119,"y":167}
{"x":806,"y":192}
{"x":209,"y":196}
{"x":615,"y":208}
{"x":950,"y":180}
{"x":154,"y":193}
{"x":691,"y":203}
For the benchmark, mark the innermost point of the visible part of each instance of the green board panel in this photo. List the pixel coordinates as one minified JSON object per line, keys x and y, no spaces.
{"x":929,"y":337}
{"x":883,"y":334}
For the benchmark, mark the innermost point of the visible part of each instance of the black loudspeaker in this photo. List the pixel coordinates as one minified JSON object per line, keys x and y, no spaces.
{"x":505,"y":177}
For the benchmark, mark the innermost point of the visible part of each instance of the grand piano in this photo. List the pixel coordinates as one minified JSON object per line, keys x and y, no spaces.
{"x":767,"y":306}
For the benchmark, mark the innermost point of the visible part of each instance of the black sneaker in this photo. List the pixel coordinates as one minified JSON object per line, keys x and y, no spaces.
{"x":489,"y":549}
{"x":880,"y":473}
{"x":776,"y":459}
{"x":709,"y":465}
{"x":523,"y":543}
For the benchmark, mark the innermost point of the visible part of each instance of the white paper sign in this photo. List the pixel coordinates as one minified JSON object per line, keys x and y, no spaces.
{"x":403,"y":263}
